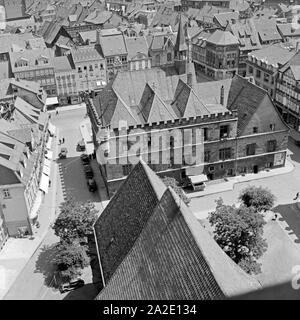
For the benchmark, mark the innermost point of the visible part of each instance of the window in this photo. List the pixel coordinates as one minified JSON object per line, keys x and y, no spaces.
{"x":224,"y":131}
{"x":205,"y":134}
{"x":123,"y":58}
{"x":255,"y":129}
{"x":126,"y":169}
{"x":211,"y":168}
{"x":266,"y":77}
{"x":272,"y":126}
{"x":206,"y":156}
{"x":250,"y":149}
{"x":79,"y":69}
{"x":6,"y":193}
{"x":271,"y":145}
{"x":250,"y":69}
{"x":96,"y":66}
{"x":225,"y":153}
{"x":91,"y":68}
{"x":101,"y":66}
{"x":169,"y":57}
{"x":258,"y":73}
{"x":85,"y":68}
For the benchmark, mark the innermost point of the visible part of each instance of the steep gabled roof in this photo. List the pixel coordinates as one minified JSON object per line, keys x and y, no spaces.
{"x":171,"y":256}
{"x":152,"y":108}
{"x":186,"y":103}
{"x":245,"y":97}
{"x":125,"y":216}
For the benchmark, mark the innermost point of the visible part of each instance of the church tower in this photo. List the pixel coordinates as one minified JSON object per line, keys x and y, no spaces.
{"x":181,"y":49}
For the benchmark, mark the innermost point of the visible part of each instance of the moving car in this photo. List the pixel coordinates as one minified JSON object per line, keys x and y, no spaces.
{"x":81,"y":145}
{"x":85,"y":159}
{"x":92,"y":185}
{"x":72,"y":285}
{"x":88,"y":171}
{"x":63,"y":153}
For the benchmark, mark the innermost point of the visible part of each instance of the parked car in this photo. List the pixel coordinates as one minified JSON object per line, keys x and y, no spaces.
{"x":88,"y":171}
{"x":81,"y":145}
{"x":63,"y":153}
{"x":92,"y":185}
{"x":72,"y":285}
{"x":85,"y":159}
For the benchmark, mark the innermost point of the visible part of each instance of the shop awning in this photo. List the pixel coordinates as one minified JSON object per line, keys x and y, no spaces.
{"x":48,"y":145}
{"x":36,"y":205}
{"x":46,"y":170}
{"x":198,"y":179}
{"x":51,"y":100}
{"x":49,"y":155}
{"x":44,"y":184}
{"x":51,"y":128}
{"x":47,"y":162}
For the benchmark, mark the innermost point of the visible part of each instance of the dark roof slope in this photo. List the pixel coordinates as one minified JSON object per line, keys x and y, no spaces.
{"x":125,"y":216}
{"x":172,"y":256}
{"x":245,"y":97}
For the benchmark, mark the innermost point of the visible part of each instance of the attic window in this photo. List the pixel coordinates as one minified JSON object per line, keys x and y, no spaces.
{"x":5,"y":156}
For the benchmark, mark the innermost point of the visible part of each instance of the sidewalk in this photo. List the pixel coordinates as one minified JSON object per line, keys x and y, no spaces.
{"x":67,"y":108}
{"x":223,"y":186}
{"x":16,"y":252}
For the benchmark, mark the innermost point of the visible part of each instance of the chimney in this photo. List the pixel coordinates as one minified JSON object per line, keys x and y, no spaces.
{"x":222,"y":96}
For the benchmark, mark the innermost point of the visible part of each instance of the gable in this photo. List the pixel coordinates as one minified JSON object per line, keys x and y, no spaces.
{"x":265,"y":115}
{"x":289,"y":73}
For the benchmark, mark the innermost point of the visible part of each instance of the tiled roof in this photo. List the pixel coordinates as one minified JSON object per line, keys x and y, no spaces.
{"x":98,"y":17}
{"x":152,"y":108}
{"x":287,"y":30}
{"x":267,"y":29}
{"x":224,"y":17}
{"x":7,"y":41}
{"x":14,"y":9}
{"x":165,"y":253}
{"x":112,"y":45}
{"x":154,"y":94}
{"x":89,"y":35}
{"x":62,"y":63}
{"x":294,"y":64}
{"x":86,"y":53}
{"x":245,"y":97}
{"x":247,"y":34}
{"x":31,"y":56}
{"x":116,"y":229}
{"x":135,"y":45}
{"x":273,"y":55}
{"x":223,"y":38}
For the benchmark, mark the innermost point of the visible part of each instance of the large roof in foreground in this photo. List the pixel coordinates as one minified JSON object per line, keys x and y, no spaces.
{"x":152,"y":247}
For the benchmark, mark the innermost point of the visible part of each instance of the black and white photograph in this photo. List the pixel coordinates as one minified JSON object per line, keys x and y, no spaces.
{"x":149,"y":154}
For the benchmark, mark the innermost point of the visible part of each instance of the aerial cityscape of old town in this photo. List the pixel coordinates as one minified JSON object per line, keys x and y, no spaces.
{"x":149,"y":149}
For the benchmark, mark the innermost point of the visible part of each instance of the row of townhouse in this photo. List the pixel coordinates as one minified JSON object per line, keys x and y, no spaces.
{"x":24,"y":169}
{"x":276,"y":69}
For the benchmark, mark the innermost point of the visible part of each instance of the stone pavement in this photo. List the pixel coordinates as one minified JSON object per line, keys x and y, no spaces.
{"x":222,"y":186}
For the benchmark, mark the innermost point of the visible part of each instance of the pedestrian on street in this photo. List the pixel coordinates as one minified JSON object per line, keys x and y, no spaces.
{"x":49,"y":183}
{"x":59,"y":141}
{"x":57,"y":112}
{"x":275,"y":217}
{"x":63,"y":140}
{"x":297,"y":196}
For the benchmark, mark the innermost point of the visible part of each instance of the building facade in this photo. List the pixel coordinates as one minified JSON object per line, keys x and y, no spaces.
{"x":91,"y":69}
{"x":263,"y":66}
{"x":35,"y":65}
{"x":287,"y":97}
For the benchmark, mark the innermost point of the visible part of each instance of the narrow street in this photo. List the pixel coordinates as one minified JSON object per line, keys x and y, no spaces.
{"x":34,"y":280}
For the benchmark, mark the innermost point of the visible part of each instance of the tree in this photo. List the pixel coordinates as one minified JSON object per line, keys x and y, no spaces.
{"x":257,"y":197}
{"x":75,"y":220}
{"x":239,"y":232}
{"x":171,"y":182}
{"x":70,"y":259}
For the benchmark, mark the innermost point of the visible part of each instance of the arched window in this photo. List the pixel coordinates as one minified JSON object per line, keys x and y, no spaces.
{"x":169,"y":57}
